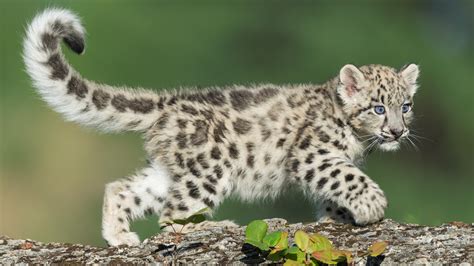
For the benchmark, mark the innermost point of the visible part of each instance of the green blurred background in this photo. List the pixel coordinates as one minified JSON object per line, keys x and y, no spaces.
{"x":53,"y":172}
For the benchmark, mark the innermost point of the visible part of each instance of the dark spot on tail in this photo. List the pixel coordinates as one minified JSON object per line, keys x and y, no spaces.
{"x":141,"y":105}
{"x":120,"y":102}
{"x":72,"y":38}
{"x":58,"y":27}
{"x":60,"y":69}
{"x":77,"y":86}
{"x":100,"y":99}
{"x":49,"y":41}
{"x":75,"y":41}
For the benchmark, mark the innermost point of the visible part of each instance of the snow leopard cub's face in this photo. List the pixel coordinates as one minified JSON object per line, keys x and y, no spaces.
{"x":378,"y":101}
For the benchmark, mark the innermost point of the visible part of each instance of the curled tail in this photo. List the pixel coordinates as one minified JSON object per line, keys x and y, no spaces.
{"x":80,"y":100}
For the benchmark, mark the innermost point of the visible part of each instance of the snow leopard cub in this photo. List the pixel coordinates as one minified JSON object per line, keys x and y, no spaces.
{"x":254,"y":142}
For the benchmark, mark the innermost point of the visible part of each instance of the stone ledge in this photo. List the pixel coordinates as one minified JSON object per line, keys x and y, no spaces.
{"x":408,"y":243}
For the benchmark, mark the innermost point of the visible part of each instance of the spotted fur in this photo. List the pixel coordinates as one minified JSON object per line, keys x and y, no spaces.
{"x":250,"y":141}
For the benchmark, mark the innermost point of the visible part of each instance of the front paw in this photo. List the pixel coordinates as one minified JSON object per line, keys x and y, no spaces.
{"x":123,"y":238}
{"x":368,"y":208}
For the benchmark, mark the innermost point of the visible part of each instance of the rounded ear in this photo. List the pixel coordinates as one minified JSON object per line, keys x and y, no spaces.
{"x":352,"y":79}
{"x":410,"y":74}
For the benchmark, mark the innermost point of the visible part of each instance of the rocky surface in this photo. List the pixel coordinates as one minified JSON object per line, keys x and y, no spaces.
{"x":408,"y":243}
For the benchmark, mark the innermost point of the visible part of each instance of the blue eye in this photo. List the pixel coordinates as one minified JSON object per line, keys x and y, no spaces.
{"x":379,"y":109}
{"x":406,"y":107}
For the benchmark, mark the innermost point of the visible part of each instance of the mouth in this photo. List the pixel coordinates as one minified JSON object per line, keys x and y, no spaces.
{"x":387,"y":140}
{"x":388,"y":144}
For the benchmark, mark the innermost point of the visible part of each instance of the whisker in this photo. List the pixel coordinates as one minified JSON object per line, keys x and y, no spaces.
{"x":414,"y":145}
{"x":364,"y":136}
{"x":369,"y":148}
{"x":416,"y":139}
{"x":371,"y":138}
{"x":421,"y":137}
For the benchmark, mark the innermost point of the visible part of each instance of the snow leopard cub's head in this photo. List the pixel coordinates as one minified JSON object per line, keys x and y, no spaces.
{"x":378,"y":102}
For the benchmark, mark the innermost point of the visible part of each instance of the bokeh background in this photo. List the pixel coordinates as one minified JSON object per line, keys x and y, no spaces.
{"x":53,"y":172}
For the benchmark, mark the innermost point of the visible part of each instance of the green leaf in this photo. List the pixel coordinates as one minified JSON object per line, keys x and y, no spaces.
{"x":179,"y":221}
{"x":260,"y":245}
{"x":293,"y":250}
{"x":294,"y":253}
{"x":283,"y":242}
{"x":272,"y":239}
{"x":319,"y":243}
{"x":377,"y":248}
{"x":197,"y":217}
{"x":256,"y":230}
{"x":302,"y":240}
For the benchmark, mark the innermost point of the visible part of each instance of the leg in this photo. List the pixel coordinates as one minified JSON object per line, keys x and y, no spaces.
{"x":190,"y":194}
{"x":187,"y":196}
{"x":125,"y":200}
{"x":344,"y":191}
